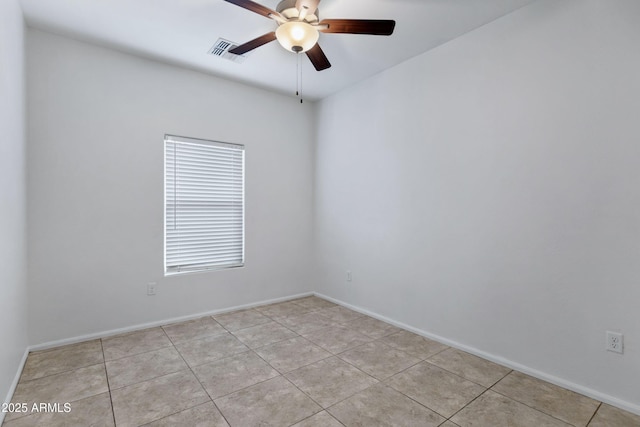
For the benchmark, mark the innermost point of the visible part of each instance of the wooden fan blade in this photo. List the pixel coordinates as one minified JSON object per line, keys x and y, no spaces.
{"x":248,"y":46}
{"x":318,"y":58}
{"x":376,"y":27}
{"x":255,"y":7}
{"x":307,"y":7}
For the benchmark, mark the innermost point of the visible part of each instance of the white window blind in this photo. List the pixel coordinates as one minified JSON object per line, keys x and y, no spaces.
{"x":204,"y":205}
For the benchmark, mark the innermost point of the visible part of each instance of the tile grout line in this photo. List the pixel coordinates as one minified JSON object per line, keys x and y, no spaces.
{"x":259,"y":347}
{"x":317,"y":311}
{"x":60,"y":373}
{"x":32,"y":414}
{"x":384,"y":382}
{"x":342,"y":400}
{"x":332,"y":351}
{"x":309,"y":397}
{"x":531,"y":407}
{"x":467,"y":404}
{"x":106,"y":374}
{"x":249,"y":349}
{"x":420,"y":403}
{"x":465,"y":378}
{"x":539,"y":410}
{"x":594,"y":414}
{"x":132,"y":333}
{"x":418,"y":357}
{"x":152,"y":378}
{"x":219,"y":359}
{"x":213,"y":316}
{"x":287,"y":379}
{"x":345,"y":325}
{"x":21,"y":381}
{"x":371,"y":375}
{"x":283,"y":375}
{"x":460,"y":376}
{"x":243,"y":388}
{"x":503,"y":377}
{"x":139,"y":354}
{"x":449,"y":372}
{"x":189,"y":368}
{"x":172,"y":345}
{"x":310,"y":416}
{"x":201,"y":385}
{"x":342,"y":351}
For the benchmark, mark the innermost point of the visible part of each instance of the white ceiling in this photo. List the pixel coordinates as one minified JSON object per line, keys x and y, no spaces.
{"x":182,"y":31}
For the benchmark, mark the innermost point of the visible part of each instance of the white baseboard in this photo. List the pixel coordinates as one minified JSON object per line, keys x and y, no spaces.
{"x":594,"y":394}
{"x":14,"y":384}
{"x":111,"y":332}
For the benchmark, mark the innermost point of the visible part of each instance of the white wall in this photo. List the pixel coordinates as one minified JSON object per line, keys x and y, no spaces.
{"x":97,"y":119}
{"x":488,"y":192}
{"x":13,"y":251}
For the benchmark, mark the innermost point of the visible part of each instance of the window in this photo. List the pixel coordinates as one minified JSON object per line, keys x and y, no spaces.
{"x":204,"y":205}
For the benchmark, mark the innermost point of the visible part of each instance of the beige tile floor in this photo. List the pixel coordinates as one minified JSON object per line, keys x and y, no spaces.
{"x":303,"y":363}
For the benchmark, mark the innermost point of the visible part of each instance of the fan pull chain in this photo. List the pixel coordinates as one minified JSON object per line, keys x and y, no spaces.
{"x":298,"y":78}
{"x":300,"y":67}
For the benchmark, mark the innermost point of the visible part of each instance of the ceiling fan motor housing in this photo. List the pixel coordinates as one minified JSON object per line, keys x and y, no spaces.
{"x":287,"y":8}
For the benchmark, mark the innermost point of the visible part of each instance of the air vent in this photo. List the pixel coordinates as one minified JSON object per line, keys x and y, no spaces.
{"x":221,"y":49}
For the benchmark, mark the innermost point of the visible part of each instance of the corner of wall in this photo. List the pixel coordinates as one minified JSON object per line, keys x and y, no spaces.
{"x":13,"y":250}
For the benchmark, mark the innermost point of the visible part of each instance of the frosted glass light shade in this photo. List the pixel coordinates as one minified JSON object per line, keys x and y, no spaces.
{"x":297,"y":36}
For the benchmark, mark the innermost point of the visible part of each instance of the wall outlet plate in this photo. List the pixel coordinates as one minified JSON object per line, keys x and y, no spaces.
{"x":615,"y":342}
{"x":151,"y":288}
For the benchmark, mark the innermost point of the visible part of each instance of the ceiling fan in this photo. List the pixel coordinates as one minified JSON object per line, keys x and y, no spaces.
{"x":298,"y":27}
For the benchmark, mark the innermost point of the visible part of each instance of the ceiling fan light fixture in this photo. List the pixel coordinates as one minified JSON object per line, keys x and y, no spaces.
{"x":297,"y":36}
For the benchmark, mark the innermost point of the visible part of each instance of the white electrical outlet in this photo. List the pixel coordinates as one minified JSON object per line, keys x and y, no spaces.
{"x":349,"y":275}
{"x":615,"y":342}
{"x":151,"y":288}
